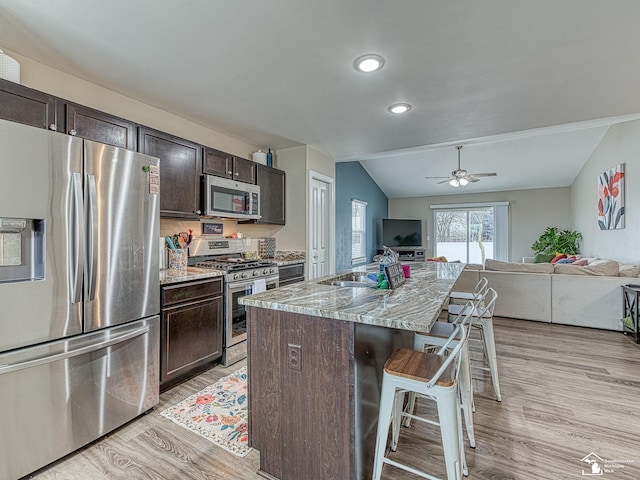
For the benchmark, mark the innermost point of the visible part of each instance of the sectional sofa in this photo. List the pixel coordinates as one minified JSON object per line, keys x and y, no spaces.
{"x":588,"y":296}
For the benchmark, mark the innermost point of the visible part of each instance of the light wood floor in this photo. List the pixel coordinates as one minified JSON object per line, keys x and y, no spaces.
{"x":566,"y":392}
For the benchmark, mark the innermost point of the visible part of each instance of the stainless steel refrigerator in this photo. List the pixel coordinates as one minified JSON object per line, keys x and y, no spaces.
{"x":79,"y":293}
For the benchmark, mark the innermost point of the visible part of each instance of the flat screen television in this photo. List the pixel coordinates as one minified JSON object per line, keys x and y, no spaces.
{"x":401,"y":233}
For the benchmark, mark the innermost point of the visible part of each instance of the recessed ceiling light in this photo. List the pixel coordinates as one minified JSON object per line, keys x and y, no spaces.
{"x":399,"y":108}
{"x":368,"y":63}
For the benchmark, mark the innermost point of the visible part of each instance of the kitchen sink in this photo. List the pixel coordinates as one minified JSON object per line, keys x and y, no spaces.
{"x":350,"y":279}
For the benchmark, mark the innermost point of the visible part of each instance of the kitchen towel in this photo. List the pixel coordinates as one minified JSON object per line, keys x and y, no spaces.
{"x":259,"y":285}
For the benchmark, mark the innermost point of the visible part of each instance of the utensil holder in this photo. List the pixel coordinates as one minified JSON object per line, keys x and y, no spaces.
{"x":178,"y":261}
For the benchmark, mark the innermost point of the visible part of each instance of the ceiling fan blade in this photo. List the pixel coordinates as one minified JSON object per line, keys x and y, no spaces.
{"x":431,"y":178}
{"x":471,"y":179}
{"x":484,"y":174}
{"x":444,"y":181}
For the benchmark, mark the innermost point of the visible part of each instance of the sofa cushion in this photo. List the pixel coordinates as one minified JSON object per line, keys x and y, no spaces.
{"x":498,"y":266}
{"x":607,"y":268}
{"x":629,"y":270}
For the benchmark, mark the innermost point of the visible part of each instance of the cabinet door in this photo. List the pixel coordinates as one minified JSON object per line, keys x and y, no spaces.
{"x":244,"y":170}
{"x":272,"y":194}
{"x":217,"y":163}
{"x":100,"y":127}
{"x":25,"y":105}
{"x":180,"y":166}
{"x":191,"y":337}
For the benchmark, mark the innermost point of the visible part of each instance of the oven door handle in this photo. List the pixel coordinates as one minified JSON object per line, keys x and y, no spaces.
{"x":249,"y":282}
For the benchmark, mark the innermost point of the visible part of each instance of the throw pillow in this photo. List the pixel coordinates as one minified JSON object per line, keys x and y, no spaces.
{"x":543,"y":257}
{"x":608,"y":268}
{"x":581,"y":263}
{"x":564,"y":260}
{"x":560,"y":256}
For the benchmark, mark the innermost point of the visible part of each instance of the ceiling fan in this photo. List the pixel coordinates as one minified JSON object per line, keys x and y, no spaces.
{"x":460,"y":177}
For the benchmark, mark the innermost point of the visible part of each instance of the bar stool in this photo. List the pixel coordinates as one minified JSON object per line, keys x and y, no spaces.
{"x":483,"y":321}
{"x":433,"y":376}
{"x":437,"y":337}
{"x":478,"y":293}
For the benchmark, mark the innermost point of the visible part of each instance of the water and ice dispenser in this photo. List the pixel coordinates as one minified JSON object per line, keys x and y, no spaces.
{"x":21,"y":249}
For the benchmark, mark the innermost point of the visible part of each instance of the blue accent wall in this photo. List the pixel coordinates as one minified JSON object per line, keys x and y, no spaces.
{"x":353,"y":182}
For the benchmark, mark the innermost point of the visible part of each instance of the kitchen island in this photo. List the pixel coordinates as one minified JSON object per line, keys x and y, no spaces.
{"x":316,"y":353}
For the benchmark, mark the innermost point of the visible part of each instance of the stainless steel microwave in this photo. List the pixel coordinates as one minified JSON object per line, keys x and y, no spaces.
{"x":231,"y":199}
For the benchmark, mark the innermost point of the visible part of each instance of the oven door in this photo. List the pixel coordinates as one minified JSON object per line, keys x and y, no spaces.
{"x":235,"y":325}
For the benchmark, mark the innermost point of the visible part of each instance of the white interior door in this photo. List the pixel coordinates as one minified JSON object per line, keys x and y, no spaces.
{"x":320,"y":225}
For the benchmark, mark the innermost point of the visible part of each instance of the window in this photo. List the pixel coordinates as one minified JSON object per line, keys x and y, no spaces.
{"x":358,"y":232}
{"x":472,"y":233}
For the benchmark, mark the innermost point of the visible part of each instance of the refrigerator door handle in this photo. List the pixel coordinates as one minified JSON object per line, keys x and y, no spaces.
{"x":92,"y":237}
{"x":77,"y":234}
{"x":73,"y":353}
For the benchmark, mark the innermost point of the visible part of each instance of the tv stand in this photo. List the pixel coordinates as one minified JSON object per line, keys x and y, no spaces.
{"x":409,"y":254}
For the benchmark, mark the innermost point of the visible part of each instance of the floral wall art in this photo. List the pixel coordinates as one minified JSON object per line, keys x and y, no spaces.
{"x":611,"y":198}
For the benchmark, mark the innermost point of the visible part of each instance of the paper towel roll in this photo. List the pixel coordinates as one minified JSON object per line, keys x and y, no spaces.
{"x":10,"y":69}
{"x":260,"y":157}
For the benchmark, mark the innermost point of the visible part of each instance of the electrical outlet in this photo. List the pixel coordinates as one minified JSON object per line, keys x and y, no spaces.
{"x":294,"y":354}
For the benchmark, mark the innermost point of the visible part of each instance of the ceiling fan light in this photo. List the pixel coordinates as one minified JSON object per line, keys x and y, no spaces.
{"x":454,"y":182}
{"x":463,"y":181}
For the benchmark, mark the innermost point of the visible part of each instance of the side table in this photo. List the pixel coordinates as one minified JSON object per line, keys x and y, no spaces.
{"x":630,"y":304}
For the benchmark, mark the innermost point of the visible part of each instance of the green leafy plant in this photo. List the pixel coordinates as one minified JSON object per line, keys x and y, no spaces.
{"x":554,"y":241}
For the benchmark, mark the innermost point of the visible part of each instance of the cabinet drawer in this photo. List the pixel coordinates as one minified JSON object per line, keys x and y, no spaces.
{"x":182,"y":292}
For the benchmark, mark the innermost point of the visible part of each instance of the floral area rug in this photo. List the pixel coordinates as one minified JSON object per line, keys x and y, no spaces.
{"x":218,"y":413}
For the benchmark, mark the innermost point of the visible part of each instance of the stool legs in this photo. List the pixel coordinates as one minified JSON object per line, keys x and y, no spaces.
{"x":449,"y":421}
{"x":466,"y":395}
{"x":387,"y":398}
{"x":488,"y":339}
{"x":449,"y":424}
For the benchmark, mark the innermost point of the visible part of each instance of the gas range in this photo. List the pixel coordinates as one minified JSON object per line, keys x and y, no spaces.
{"x":237,"y":268}
{"x":226,"y":254}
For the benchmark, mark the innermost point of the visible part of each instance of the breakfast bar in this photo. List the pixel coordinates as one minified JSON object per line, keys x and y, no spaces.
{"x":316,"y":354}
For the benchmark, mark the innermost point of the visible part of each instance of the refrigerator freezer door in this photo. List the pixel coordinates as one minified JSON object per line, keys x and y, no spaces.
{"x":61,"y":395}
{"x":36,"y":182}
{"x":122,"y":228}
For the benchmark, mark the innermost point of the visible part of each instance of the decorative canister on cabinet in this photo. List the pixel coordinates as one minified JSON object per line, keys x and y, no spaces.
{"x":260,"y":157}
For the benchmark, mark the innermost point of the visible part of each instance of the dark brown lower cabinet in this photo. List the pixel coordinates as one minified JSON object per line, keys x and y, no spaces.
{"x":191,"y":335}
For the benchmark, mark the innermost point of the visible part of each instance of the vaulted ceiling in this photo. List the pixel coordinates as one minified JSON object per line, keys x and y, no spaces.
{"x":529,"y":87}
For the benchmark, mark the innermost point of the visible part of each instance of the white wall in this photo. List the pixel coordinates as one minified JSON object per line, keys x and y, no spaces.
{"x":621,"y":144}
{"x":293,"y":236}
{"x":530,"y":212}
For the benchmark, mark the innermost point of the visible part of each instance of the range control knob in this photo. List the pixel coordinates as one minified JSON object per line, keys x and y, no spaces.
{"x":274,"y":270}
{"x":256,"y":273}
{"x":245,"y":274}
{"x":236,"y":276}
{"x":265,"y":271}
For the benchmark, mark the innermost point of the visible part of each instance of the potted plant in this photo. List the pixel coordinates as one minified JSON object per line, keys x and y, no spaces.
{"x":554,"y":241}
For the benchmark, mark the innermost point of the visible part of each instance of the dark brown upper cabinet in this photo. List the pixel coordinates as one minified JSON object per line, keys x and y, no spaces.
{"x":100,"y":127}
{"x":225,"y":165}
{"x":180,"y":166}
{"x":272,"y":194}
{"x":24,"y":105}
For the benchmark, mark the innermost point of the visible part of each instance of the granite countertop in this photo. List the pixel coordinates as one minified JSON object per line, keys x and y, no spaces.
{"x":192,"y":273}
{"x":412,"y":306}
